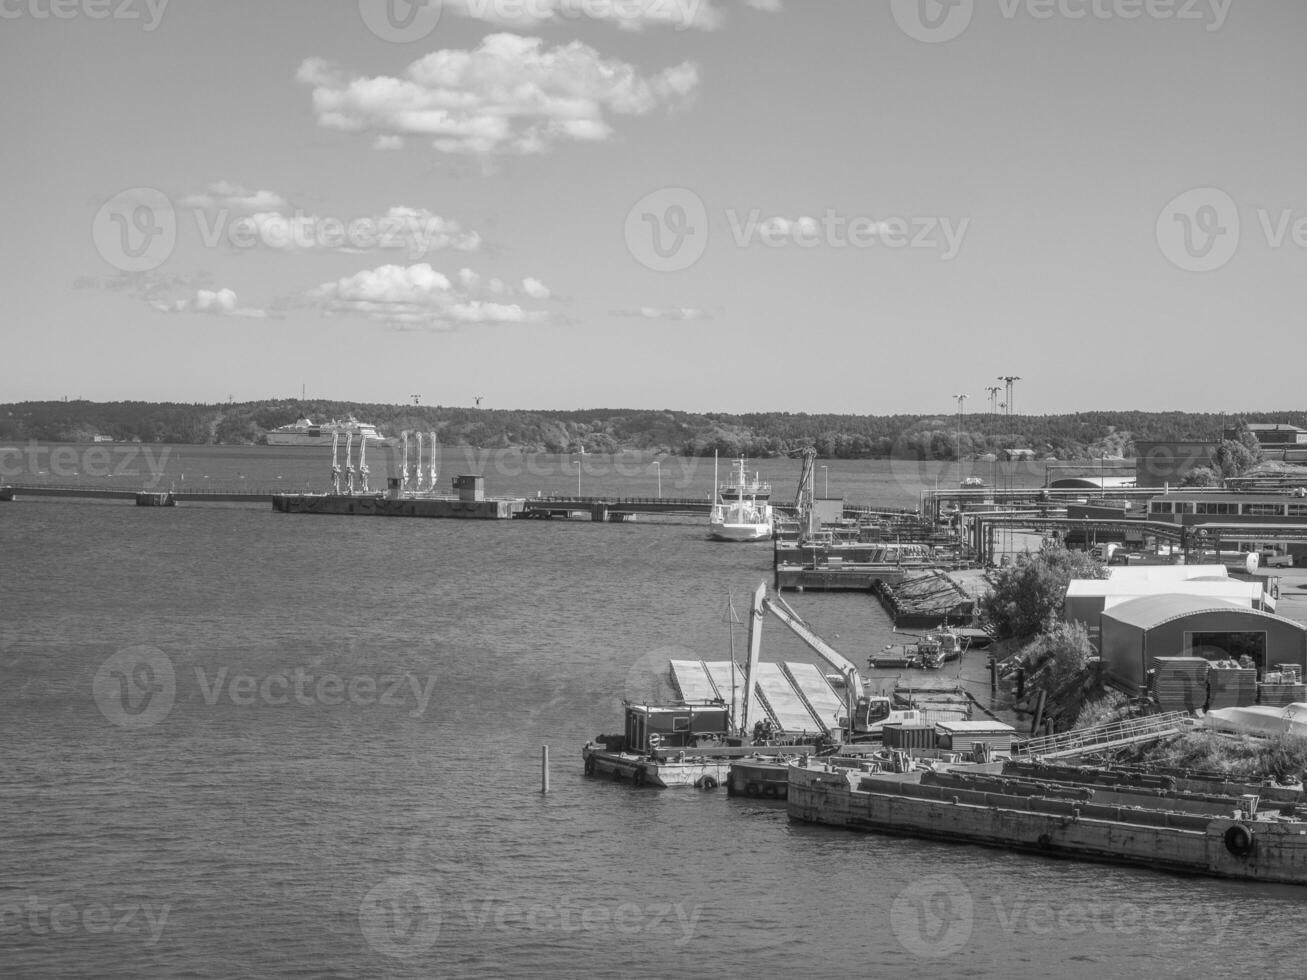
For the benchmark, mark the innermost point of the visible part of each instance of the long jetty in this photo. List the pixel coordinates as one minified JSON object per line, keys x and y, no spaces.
{"x":259,"y":496}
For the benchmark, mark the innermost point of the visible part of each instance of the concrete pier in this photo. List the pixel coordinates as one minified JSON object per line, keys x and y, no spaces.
{"x":380,"y":505}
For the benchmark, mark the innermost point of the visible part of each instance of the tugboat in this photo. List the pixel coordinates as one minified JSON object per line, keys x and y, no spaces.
{"x":930,"y":651}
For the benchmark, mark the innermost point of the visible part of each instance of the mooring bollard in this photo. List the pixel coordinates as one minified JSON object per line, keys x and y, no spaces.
{"x":544,"y":768}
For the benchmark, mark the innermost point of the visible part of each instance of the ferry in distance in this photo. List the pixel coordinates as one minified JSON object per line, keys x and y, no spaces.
{"x":306,"y":432}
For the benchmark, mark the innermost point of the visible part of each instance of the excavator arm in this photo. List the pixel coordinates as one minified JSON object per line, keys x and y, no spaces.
{"x":828,"y":654}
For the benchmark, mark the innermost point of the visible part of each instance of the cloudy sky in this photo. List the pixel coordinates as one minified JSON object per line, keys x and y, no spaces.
{"x":713,"y":205}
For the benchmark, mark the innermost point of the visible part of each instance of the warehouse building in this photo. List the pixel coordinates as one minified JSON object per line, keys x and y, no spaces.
{"x":1087,"y":599}
{"x":1137,"y":630}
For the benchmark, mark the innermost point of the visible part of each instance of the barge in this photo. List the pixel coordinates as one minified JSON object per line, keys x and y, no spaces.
{"x":1114,"y":820}
{"x":468,"y":502}
{"x":381,"y":505}
{"x":688,"y":743}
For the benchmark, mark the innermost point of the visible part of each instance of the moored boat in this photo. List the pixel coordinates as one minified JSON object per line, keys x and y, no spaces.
{"x":666,"y":745}
{"x":742,"y":511}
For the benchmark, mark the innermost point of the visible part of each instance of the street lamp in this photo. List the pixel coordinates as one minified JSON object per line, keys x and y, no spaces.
{"x":960,"y":400}
{"x":578,"y":471}
{"x":1008,"y":379}
{"x":659,"y":467}
{"x":825,"y":479}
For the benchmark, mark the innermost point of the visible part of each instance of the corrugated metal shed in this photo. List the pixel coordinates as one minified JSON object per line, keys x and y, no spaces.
{"x":1149,"y":612}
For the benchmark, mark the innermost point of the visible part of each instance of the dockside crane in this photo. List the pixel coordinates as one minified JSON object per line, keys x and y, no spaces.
{"x":803,"y":498}
{"x":866,"y":714}
{"x":335,"y":461}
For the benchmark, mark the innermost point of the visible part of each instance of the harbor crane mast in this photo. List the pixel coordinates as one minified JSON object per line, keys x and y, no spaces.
{"x":803,"y":498}
{"x":335,"y":461}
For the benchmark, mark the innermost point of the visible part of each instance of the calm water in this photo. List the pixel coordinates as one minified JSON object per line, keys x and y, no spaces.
{"x":238,"y":743}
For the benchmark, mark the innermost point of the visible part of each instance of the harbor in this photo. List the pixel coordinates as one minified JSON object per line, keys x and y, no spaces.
{"x":529,"y":488}
{"x":639,"y":611}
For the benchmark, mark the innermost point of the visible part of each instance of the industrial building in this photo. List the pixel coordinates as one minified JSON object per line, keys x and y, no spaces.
{"x":1087,"y":599}
{"x":1137,"y":630}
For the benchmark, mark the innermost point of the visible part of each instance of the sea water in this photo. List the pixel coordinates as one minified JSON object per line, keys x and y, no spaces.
{"x":241,"y":743}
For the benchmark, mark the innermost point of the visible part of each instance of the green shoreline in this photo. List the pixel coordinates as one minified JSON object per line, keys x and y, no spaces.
{"x":1078,"y":436}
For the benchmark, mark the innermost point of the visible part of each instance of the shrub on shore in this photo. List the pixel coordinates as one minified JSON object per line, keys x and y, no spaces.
{"x":1253,"y":759}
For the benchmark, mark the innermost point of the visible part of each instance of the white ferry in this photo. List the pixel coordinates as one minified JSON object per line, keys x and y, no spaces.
{"x":306,"y":432}
{"x":743,"y":509}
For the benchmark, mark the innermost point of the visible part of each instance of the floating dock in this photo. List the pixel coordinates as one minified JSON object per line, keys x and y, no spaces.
{"x":933,"y":597}
{"x":797,"y":697}
{"x":838,"y":576}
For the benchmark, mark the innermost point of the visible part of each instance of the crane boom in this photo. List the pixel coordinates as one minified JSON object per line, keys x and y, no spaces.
{"x":781,"y":610}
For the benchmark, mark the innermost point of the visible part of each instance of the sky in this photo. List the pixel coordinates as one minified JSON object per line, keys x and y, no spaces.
{"x":709,"y":205}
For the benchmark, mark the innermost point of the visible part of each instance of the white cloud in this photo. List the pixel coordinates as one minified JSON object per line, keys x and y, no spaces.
{"x":225,"y":194}
{"x":415,"y":230}
{"x":535,"y":288}
{"x":268,"y":224}
{"x":508,"y":95}
{"x":419,"y":296}
{"x":631,"y":15}
{"x":212,"y":302}
{"x":664,"y":313}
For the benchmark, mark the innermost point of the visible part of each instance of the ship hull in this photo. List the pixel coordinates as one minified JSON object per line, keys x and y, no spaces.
{"x":739,"y":532}
{"x":322,"y":439}
{"x":703,"y":773}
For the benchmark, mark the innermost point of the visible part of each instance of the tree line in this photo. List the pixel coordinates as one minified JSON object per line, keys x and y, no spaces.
{"x":1082,"y":435}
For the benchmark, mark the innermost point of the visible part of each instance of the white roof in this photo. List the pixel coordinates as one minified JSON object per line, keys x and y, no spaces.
{"x":1150,"y":611}
{"x":1260,"y":719}
{"x":1164,"y":573}
{"x":973,"y":726}
{"x":1233,"y":589}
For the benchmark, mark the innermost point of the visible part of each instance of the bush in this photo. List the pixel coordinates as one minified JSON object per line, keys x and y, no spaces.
{"x":1026,"y":597}
{"x":1111,"y":707}
{"x":1058,"y":659}
{"x":1245,"y":758}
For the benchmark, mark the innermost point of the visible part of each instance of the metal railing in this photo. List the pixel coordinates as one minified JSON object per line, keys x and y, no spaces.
{"x":1104,"y":736}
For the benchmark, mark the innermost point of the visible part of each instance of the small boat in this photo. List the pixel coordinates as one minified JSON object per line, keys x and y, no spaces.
{"x":743,"y":510}
{"x":930,"y":651}
{"x":912,"y":656}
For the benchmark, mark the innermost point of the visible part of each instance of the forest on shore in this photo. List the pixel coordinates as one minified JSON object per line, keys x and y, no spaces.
{"x":1082,"y":435}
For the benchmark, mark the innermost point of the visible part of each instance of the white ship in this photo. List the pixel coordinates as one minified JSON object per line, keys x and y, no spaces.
{"x":742,"y":511}
{"x":306,"y":432}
